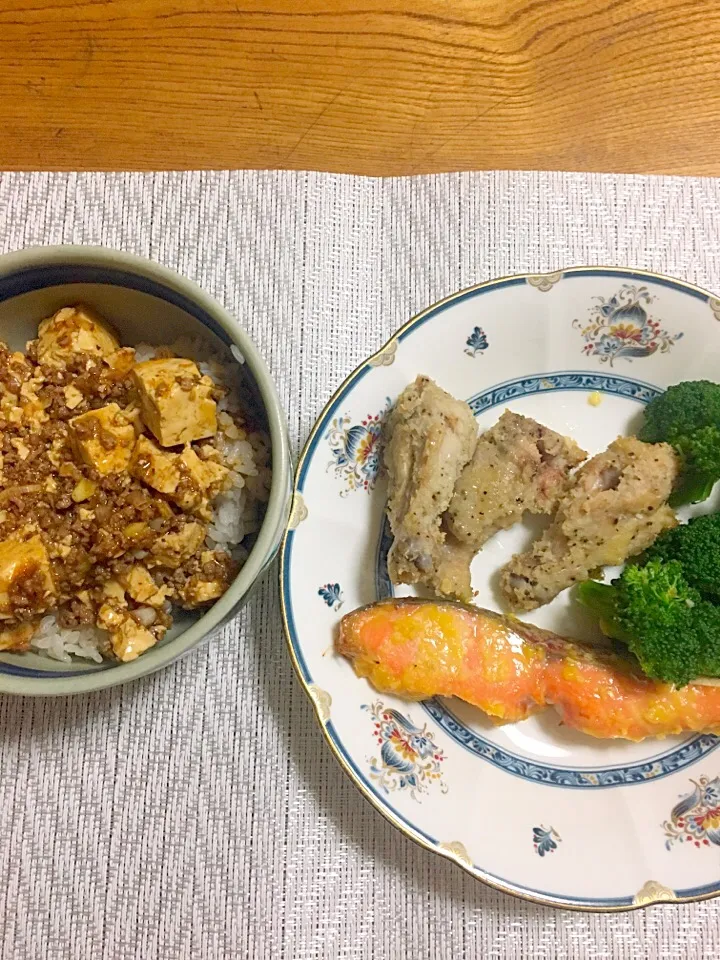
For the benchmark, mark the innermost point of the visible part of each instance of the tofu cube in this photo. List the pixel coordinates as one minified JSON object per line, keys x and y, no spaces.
{"x":176,"y":403}
{"x":173,"y":549}
{"x":17,"y":639}
{"x":114,"y":591}
{"x":155,"y":466}
{"x":73,"y":397}
{"x":74,"y":330}
{"x":196,"y":592}
{"x":184,"y":478}
{"x":207,"y":475}
{"x":25,"y":561}
{"x":103,"y":438}
{"x":140,"y":585}
{"x":111,"y":617}
{"x":131,"y":639}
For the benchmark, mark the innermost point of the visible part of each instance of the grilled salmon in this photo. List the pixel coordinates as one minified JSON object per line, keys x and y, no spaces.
{"x":510,"y":670}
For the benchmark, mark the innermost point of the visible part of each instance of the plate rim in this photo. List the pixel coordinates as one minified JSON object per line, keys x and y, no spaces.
{"x":652,"y":892}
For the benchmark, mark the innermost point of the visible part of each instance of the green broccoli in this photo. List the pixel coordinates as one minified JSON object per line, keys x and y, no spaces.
{"x":687,"y":416}
{"x":666,"y":624}
{"x":696,"y":545}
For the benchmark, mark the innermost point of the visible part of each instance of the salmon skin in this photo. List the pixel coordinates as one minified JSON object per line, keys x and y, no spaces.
{"x":510,"y":670}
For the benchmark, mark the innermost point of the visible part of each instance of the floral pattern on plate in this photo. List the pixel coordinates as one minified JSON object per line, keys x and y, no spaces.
{"x":622,"y":327}
{"x":477,"y":342}
{"x":332,"y":595}
{"x":409,"y":757}
{"x":545,"y":840}
{"x":355,"y":449}
{"x":696,"y":818}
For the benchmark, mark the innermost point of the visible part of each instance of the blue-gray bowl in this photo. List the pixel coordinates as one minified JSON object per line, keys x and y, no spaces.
{"x":144,"y":302}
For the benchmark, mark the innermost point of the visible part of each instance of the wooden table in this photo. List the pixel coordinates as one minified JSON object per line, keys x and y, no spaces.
{"x":371,"y":87}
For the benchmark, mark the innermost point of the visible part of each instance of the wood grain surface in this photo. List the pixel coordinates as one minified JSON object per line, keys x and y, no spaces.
{"x":372,"y":87}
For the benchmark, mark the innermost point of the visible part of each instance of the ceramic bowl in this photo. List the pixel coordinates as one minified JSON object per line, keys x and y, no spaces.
{"x":150,"y":303}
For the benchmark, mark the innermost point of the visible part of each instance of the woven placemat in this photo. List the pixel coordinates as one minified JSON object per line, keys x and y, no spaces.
{"x":198,"y":814}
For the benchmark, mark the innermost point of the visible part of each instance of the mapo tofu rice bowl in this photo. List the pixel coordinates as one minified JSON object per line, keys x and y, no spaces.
{"x":132,"y":479}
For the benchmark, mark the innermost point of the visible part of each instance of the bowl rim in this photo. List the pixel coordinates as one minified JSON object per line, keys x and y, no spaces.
{"x":271,"y":531}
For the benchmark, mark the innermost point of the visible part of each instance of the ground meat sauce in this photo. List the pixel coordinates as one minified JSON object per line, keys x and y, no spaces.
{"x":95,"y":528}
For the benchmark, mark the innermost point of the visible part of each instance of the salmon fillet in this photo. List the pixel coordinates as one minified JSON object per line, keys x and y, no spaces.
{"x":511,"y":670}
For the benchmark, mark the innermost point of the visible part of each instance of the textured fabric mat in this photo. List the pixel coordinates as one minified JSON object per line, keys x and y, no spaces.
{"x":198,"y":813}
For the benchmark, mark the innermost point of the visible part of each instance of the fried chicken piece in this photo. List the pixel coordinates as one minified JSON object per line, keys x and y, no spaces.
{"x":615,"y":509}
{"x":518,"y":465}
{"x":452,"y":569}
{"x":429,"y":437}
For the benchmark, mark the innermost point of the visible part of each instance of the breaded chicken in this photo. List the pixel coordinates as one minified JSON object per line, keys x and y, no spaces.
{"x":518,"y":465}
{"x":616,"y":508}
{"x":452,"y":569}
{"x":429,"y":437}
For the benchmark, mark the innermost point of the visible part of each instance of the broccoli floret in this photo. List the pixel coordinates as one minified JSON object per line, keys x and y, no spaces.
{"x":696,"y":545}
{"x":700,"y":453}
{"x":681,"y":410}
{"x":671,"y":630}
{"x":687,"y":416}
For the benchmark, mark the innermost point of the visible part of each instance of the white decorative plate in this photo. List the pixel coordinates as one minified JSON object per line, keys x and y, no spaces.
{"x":531,"y":808}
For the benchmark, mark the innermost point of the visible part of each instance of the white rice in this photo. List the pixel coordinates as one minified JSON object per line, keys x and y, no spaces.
{"x":59,"y":643}
{"x":236,"y":510}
